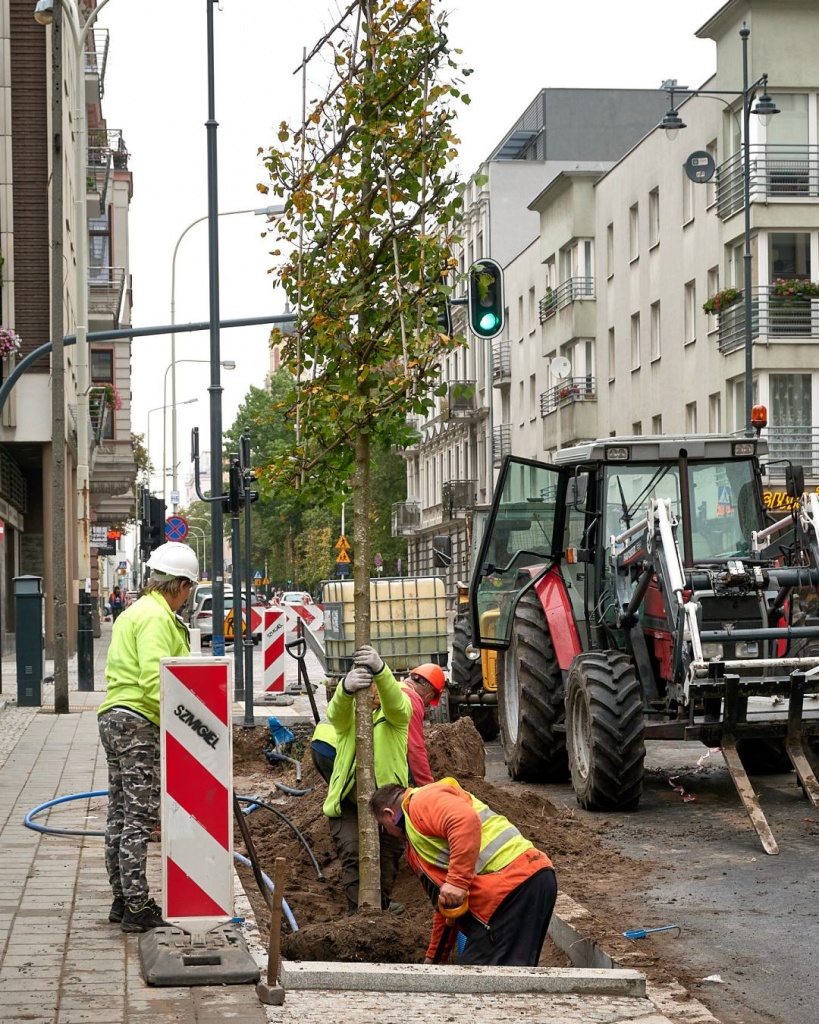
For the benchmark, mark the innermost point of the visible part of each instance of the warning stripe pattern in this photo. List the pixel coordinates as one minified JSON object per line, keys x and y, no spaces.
{"x":273,"y":650}
{"x":197,"y":804}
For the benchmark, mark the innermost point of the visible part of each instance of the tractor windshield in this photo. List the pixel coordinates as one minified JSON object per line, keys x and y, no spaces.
{"x":723,"y":513}
{"x":518,"y":537}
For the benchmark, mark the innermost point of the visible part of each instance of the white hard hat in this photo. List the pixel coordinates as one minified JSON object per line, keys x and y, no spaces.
{"x":175,"y":559}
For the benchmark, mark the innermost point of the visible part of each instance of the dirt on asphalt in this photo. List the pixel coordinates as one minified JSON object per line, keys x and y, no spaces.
{"x":605,"y":882}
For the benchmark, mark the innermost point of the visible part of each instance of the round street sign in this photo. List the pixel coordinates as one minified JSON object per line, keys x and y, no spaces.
{"x":176,"y":528}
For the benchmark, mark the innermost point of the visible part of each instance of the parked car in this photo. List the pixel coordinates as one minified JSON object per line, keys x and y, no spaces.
{"x":295,"y":597}
{"x":202,"y":616}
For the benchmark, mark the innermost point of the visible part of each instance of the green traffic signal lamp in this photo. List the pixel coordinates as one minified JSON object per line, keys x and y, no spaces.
{"x":486,"y":310}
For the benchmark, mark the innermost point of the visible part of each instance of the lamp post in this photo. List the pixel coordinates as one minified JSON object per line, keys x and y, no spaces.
{"x":160,"y":408}
{"x":265,"y":211}
{"x":44,"y":15}
{"x":764,"y":109}
{"x":226,"y":364}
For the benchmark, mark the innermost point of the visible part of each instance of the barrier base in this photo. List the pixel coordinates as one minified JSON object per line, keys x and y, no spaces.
{"x":278,"y":699}
{"x":169,"y":957}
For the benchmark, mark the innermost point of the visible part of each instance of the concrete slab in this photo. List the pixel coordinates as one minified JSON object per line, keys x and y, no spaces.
{"x":450,"y":979}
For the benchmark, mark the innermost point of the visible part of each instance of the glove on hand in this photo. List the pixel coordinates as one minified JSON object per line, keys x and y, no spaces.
{"x":357,"y":679}
{"x":368,"y":657}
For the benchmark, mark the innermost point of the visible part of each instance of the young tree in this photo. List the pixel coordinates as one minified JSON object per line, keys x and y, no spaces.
{"x":369,"y":190}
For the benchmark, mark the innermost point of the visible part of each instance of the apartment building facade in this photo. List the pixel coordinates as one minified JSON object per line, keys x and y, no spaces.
{"x":493,"y":390}
{"x":39,"y":97}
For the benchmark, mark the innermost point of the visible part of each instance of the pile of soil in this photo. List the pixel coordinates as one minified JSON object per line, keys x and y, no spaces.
{"x":595,"y":875}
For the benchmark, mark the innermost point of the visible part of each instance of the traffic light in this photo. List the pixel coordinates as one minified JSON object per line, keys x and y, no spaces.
{"x":234,"y":485}
{"x":247,"y":494}
{"x":486,"y":312}
{"x":156,"y":522}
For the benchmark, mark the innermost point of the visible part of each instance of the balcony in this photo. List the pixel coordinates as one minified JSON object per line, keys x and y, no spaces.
{"x":461,"y":399}
{"x":458,"y":495}
{"x":96,"y":58}
{"x":572,"y":389}
{"x":501,"y":442}
{"x":776,"y":172}
{"x":106,"y":153}
{"x":406,"y":518}
{"x":106,"y":287}
{"x":564,"y":295}
{"x":501,"y":363}
{"x":773,"y":318}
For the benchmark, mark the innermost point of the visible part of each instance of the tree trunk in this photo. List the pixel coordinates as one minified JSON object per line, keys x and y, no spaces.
{"x":369,"y":859}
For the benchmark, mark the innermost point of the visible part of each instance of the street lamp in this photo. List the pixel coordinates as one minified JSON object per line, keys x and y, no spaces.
{"x":765,"y":108}
{"x":226,"y":364}
{"x":44,"y":15}
{"x":160,"y":408}
{"x":265,"y":211}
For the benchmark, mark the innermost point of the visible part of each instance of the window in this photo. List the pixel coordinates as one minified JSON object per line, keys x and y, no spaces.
{"x":533,"y":403}
{"x":653,"y":218}
{"x":532,"y":309}
{"x":787,"y":134}
{"x":634,"y":232}
{"x":715,"y":413}
{"x":656,"y":424}
{"x":691,"y":418}
{"x":102,"y":365}
{"x":711,"y":186}
{"x":713,"y":288}
{"x":520,"y":316}
{"x":655,"y":332}
{"x":610,"y":251}
{"x":737,"y":265}
{"x":637,"y":428}
{"x":688,"y":187}
{"x":790,"y":429}
{"x":611,"y":354}
{"x":739,"y":401}
{"x":520,"y":401}
{"x":790,"y":255}
{"x":635,"y":341}
{"x":690,"y":313}
{"x":99,"y":249}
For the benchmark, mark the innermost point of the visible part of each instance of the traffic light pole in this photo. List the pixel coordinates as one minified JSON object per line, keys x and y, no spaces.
{"x":248,"y":497}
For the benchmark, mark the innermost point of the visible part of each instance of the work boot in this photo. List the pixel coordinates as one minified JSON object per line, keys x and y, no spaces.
{"x":117,"y":910}
{"x":143,"y":918}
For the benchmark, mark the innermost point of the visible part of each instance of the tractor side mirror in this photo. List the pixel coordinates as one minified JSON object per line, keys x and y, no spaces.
{"x":576,"y":490}
{"x":795,"y":480}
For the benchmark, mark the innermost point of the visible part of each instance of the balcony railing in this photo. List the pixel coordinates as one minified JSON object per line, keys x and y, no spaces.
{"x":501,"y":361}
{"x":798,"y":444}
{"x":572,"y":389}
{"x":406,"y":518}
{"x":458,"y":495}
{"x":776,"y":171}
{"x":501,"y":442}
{"x":569,"y":291}
{"x":461,"y":396}
{"x":106,"y":289}
{"x":773,"y":316}
{"x":106,"y":153}
{"x":96,"y":55}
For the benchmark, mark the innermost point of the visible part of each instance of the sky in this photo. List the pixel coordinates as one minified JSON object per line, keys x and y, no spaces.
{"x":156,"y":93}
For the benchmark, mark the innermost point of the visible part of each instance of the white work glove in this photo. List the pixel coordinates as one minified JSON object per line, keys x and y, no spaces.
{"x":369,"y":658}
{"x":357,"y":679}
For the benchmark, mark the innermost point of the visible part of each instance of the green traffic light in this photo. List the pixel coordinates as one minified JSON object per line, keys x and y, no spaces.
{"x":488,"y":321}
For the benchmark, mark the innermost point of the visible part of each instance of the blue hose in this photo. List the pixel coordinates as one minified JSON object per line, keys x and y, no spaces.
{"x":29,"y":822}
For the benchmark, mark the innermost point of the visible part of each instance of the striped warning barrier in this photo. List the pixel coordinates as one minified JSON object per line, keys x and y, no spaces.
{"x":311,"y":615}
{"x":197,"y":791}
{"x":273,"y":655}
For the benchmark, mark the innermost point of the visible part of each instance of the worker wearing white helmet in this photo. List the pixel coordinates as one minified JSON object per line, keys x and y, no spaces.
{"x":129,"y":728}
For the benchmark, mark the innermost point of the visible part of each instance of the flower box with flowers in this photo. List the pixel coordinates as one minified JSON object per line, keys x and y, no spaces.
{"x":722,"y":300}
{"x":794,"y":289}
{"x":10,"y":343}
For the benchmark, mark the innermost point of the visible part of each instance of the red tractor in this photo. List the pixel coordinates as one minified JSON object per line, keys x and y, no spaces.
{"x":637,"y":589}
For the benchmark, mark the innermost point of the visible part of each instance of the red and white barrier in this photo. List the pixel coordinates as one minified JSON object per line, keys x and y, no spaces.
{"x":273,"y":653}
{"x":197,"y":791}
{"x":311,"y":615}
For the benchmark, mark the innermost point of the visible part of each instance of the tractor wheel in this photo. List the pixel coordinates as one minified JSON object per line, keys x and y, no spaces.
{"x":467,"y":677}
{"x":604,"y":731}
{"x":530,"y":699}
{"x":764,"y":757}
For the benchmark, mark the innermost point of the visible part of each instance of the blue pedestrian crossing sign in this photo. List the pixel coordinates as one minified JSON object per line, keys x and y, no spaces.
{"x":257,"y":576}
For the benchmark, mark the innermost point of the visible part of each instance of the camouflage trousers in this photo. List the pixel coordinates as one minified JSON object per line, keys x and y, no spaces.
{"x":131,"y":745}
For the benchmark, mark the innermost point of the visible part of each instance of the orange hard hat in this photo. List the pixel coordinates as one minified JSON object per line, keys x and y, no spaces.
{"x":433,"y":674}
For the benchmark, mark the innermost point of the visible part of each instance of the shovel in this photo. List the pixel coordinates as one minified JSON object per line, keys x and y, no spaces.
{"x":451,"y":914}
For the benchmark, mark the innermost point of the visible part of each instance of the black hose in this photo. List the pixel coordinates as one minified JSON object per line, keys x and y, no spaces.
{"x":260,"y":803}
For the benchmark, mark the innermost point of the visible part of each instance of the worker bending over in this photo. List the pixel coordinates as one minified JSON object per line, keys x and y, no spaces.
{"x":461,"y":849}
